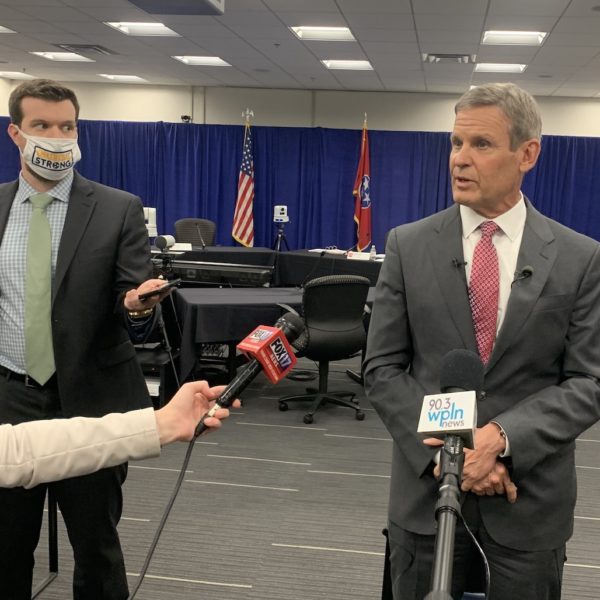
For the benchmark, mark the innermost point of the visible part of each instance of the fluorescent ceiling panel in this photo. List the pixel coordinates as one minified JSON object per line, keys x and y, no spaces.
{"x":123,"y":78}
{"x":499,"y":68}
{"x":6,"y":30}
{"x":517,"y":38}
{"x":348,"y":65}
{"x":15,"y":75}
{"x":63,"y":56}
{"x":323,"y":34}
{"x":206,"y":61}
{"x":142,"y":29}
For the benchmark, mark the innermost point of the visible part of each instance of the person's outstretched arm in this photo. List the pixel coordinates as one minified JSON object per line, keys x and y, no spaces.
{"x":42,"y":451}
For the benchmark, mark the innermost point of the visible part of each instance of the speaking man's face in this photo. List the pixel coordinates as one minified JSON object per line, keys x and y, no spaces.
{"x":486,"y":173}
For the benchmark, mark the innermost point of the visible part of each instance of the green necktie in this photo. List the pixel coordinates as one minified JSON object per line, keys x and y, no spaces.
{"x":39,"y":354}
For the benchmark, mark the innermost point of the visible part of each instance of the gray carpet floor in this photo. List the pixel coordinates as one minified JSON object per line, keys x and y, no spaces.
{"x":273,"y":509}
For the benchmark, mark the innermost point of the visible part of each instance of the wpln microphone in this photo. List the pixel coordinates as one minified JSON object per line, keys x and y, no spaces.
{"x":269,"y":350}
{"x":452,"y":416}
{"x":453,"y":411}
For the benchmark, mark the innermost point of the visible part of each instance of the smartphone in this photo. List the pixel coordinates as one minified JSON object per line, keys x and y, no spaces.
{"x":168,"y":285}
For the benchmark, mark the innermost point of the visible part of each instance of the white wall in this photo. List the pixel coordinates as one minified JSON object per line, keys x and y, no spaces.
{"x":301,"y":108}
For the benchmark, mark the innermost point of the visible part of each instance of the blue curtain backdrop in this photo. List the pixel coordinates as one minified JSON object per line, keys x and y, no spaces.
{"x":187,"y":170}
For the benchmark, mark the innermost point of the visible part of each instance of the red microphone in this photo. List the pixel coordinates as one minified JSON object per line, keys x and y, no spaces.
{"x":270,"y":347}
{"x":270,"y":350}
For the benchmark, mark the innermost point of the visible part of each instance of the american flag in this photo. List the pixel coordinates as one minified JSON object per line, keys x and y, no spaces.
{"x":243,"y":219}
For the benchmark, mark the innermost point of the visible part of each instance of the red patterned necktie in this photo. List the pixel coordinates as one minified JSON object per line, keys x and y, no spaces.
{"x":484,"y":289}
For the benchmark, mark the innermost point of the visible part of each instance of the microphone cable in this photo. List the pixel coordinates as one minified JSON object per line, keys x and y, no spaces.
{"x":486,"y":565}
{"x":163,"y":520}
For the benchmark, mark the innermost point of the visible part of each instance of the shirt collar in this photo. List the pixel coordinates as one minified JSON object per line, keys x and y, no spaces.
{"x":511,"y":222}
{"x":61,"y":191}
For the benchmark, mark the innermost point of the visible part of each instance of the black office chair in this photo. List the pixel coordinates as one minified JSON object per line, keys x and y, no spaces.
{"x":332,"y":309}
{"x":198,"y":232}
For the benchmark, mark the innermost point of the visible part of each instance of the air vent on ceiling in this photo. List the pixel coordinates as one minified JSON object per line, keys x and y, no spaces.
{"x":449,"y":58}
{"x":86,"y":49}
{"x":181,"y":7}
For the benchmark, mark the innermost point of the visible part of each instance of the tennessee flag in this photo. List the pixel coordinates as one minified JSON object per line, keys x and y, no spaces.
{"x":362,"y":194}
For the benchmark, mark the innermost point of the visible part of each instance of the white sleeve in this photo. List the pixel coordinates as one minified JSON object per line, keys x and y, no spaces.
{"x":41,"y":451}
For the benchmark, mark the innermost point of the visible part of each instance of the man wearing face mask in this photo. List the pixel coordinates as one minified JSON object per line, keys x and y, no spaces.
{"x":74,"y":256}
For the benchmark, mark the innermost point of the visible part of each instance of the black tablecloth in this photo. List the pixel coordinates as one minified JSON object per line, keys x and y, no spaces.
{"x":226,"y":314}
{"x":223,"y":315}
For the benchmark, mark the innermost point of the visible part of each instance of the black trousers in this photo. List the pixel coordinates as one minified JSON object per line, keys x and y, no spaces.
{"x":513,"y":573}
{"x":91,"y":507}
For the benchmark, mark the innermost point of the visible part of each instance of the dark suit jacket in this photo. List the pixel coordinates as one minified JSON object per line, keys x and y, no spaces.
{"x":103,"y":252}
{"x":541,"y":382}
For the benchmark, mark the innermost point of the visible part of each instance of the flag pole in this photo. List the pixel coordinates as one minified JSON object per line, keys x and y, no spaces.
{"x":361,"y":192}
{"x":249,"y":114}
{"x":243,"y":217}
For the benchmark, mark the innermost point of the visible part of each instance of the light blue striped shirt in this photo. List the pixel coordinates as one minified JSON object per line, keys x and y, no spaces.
{"x":13,"y":264}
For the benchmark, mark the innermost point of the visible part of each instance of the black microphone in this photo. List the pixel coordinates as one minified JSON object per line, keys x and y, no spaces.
{"x":459,"y":263}
{"x":292,"y":326}
{"x":462,"y":370}
{"x":525,"y":273}
{"x":200,"y":234}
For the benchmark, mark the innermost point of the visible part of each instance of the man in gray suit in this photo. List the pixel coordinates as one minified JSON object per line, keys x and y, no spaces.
{"x":541,"y":354}
{"x":80,"y":362}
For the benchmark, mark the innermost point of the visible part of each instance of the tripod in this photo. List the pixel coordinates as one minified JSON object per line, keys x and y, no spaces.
{"x":280,"y":238}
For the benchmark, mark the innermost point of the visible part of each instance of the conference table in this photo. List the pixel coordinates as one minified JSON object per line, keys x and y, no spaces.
{"x":220,"y":314}
{"x":227,"y":315}
{"x":290,"y":268}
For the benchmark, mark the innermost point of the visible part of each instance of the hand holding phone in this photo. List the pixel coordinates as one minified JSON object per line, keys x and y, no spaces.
{"x":155,"y":292}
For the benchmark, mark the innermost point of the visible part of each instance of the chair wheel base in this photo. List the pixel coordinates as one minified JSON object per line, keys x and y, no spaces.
{"x":360,"y":415}
{"x":283,"y":406}
{"x":308,"y":419}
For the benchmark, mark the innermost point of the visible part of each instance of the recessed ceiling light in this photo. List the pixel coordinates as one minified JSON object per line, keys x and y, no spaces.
{"x":207,"y":61}
{"x":499,"y":68}
{"x":146,"y":29}
{"x":519,"y":38}
{"x":63,"y":56}
{"x":16,"y":75}
{"x":348,"y":65}
{"x":6,"y":30}
{"x":323,"y":34}
{"x":123,"y":78}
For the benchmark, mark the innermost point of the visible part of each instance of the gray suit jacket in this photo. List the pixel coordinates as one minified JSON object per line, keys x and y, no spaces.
{"x":103,"y":252}
{"x":541,"y":382}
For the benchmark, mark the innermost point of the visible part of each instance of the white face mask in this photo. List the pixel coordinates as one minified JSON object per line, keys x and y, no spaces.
{"x":50,"y":158}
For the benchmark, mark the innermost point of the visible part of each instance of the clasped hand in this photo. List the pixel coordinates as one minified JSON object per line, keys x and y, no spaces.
{"x":483,"y":473}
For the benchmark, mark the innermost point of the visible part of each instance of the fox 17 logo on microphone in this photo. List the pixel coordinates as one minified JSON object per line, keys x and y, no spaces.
{"x":270,"y":347}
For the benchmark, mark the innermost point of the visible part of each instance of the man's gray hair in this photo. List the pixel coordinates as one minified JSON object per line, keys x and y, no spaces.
{"x":518,"y":105}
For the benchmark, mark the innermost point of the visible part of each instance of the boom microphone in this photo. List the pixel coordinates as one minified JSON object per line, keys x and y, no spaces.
{"x":271,"y":352}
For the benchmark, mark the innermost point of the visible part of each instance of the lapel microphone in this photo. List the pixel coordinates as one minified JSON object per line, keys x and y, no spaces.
{"x":525,"y":273}
{"x":459,"y":263}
